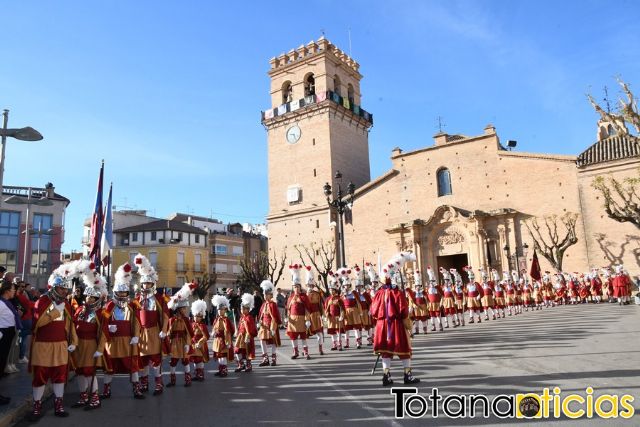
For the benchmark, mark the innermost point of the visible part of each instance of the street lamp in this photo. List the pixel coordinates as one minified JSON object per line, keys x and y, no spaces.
{"x":506,"y":250}
{"x":23,"y":134}
{"x":340,"y":205}
{"x":17,"y":200}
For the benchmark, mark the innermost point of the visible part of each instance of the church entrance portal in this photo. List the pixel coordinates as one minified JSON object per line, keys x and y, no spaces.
{"x":458,"y":262}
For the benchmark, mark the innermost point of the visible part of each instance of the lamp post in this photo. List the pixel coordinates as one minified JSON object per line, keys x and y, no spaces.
{"x":340,"y":204}
{"x":506,"y":250}
{"x":17,"y":200}
{"x":23,"y":134}
{"x":525,"y":251}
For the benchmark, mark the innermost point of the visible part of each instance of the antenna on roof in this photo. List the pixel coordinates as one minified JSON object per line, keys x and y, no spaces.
{"x":350,"y":42}
{"x":441,"y":124}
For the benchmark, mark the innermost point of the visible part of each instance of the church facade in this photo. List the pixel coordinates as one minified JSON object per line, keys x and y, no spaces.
{"x":465,"y":200}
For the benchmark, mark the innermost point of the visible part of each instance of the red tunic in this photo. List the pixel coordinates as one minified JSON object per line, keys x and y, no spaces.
{"x":390,"y":309}
{"x":269,"y":318}
{"x":620,"y":286}
{"x":247,"y":331}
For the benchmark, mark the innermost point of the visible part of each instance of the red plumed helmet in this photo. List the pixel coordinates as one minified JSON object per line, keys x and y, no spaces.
{"x":92,"y":266}
{"x":308,"y":268}
{"x":138,"y":260}
{"x":127,"y":268}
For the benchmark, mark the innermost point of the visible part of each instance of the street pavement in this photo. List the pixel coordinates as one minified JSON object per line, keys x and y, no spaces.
{"x":571,"y":347}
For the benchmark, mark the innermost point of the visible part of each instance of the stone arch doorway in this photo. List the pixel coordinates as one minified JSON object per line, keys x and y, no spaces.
{"x":457,"y":261}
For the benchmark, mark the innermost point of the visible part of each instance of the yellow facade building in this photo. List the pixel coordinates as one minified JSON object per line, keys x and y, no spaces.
{"x":178,"y":251}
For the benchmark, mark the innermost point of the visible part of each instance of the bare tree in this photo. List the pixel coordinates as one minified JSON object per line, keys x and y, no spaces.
{"x":621,"y":200}
{"x":558,"y":235}
{"x":629,"y":109}
{"x":261,"y":267}
{"x":204,"y":285}
{"x":321,"y":257}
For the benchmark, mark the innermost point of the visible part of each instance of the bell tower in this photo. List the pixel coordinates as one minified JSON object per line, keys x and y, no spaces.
{"x":315,"y":126}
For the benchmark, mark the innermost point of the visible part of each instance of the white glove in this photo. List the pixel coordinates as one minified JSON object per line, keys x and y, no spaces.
{"x":113,"y":328}
{"x":341,"y":318}
{"x":197,"y":346}
{"x":307,"y":323}
{"x":71,"y":348}
{"x":186,"y":348}
{"x":134,"y":340}
{"x":247,"y":340}
{"x":162,"y":335}
{"x":97,"y":354}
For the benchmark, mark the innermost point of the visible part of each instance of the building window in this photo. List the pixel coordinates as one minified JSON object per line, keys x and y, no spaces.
{"x":197,"y":263}
{"x":153,"y":259}
{"x":236,"y":269}
{"x":350,"y":93}
{"x":336,"y":84}
{"x":154,"y":236}
{"x":134,"y":237}
{"x":444,"y":182}
{"x":220,"y":249}
{"x":237,"y":250}
{"x":41,"y":243}
{"x":179,"y":237}
{"x":219,"y":268}
{"x":309,"y":85}
{"x":287,"y":92}
{"x":9,"y":231}
{"x":197,"y":238}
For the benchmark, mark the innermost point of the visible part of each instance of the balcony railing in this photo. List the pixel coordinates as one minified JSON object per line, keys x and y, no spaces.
{"x":316,"y":99}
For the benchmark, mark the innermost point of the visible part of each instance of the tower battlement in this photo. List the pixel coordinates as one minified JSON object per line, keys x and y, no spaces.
{"x":311,"y":49}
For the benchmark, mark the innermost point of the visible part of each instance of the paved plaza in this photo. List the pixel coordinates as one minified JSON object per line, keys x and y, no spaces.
{"x":570,"y":347}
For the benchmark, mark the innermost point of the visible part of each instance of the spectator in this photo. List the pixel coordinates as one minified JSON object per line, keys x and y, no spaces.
{"x":281,"y":301}
{"x":257,"y":303}
{"x":9,"y":322}
{"x":3,"y":271}
{"x":234,"y":302}
{"x":26,"y":310}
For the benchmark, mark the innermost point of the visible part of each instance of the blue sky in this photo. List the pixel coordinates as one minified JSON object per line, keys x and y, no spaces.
{"x":169,"y":93}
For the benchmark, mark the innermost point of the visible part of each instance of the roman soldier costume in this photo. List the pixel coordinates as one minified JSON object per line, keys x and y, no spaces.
{"x":434,"y":295}
{"x":200,"y":349}
{"x":154,"y":323}
{"x":510,"y":290}
{"x":123,"y":323}
{"x":180,"y":333}
{"x":418,"y":303}
{"x":448,"y":303}
{"x":315,"y":315}
{"x":222,"y":332}
{"x":474,"y":295}
{"x":390,"y":310}
{"x":486,"y":296}
{"x":365,"y":303}
{"x":499,"y":293}
{"x":299,"y":315}
{"x":351,"y":300}
{"x":54,"y":337}
{"x":269,"y":323}
{"x":245,"y":347}
{"x":596,"y":286}
{"x":335,"y":310}
{"x":92,"y":336}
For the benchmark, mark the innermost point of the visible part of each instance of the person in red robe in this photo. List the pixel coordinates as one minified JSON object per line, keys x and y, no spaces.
{"x":269,"y":322}
{"x":390,"y":310}
{"x":200,"y":354}
{"x":621,"y":285}
{"x":92,"y":337}
{"x":335,"y":311}
{"x":245,"y":347}
{"x":486,"y":295}
{"x":299,"y":315}
{"x":154,"y":324}
{"x":180,"y":334}
{"x":222,"y":331}
{"x":596,"y":286}
{"x":54,"y":337}
{"x":121,"y":315}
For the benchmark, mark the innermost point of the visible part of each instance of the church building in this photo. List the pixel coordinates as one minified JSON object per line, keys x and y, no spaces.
{"x":465,"y":200}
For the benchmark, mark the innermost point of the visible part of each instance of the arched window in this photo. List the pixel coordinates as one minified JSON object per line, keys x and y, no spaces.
{"x":287,"y":92}
{"x":350,"y":93}
{"x":611,"y":131}
{"x":444,"y":182}
{"x":336,"y":84}
{"x":309,"y":85}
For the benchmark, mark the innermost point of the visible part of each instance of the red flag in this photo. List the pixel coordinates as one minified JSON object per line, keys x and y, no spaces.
{"x":535,"y":267}
{"x":95,"y":236}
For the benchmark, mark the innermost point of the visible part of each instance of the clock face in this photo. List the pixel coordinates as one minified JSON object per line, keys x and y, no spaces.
{"x":293,"y":134}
